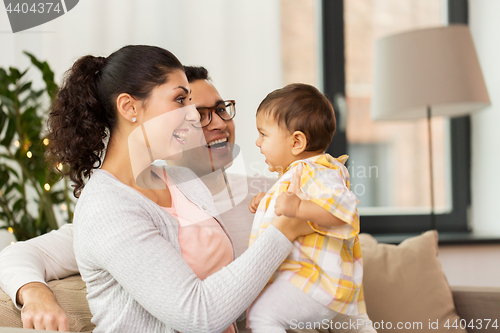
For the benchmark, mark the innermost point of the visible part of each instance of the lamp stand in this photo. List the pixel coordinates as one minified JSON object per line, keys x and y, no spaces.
{"x":433,"y":216}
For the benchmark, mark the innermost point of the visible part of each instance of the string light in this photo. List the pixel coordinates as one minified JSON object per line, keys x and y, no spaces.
{"x":9,"y":229}
{"x":12,"y":243}
{"x":46,"y":187}
{"x":16,"y":143}
{"x":29,"y":154}
{"x":59,"y":166}
{"x":46,"y":141}
{"x":63,"y":207}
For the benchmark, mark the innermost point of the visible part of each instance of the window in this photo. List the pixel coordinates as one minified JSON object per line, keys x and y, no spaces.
{"x":387,"y":171}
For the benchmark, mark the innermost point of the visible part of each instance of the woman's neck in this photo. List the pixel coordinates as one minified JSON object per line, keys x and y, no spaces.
{"x":117,"y":161}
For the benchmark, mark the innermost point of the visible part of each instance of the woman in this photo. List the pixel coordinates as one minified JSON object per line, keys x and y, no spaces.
{"x":140,"y":293}
{"x":25,"y":266}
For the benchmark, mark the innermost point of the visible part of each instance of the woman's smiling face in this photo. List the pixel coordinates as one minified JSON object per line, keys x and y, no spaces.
{"x":168,"y":116}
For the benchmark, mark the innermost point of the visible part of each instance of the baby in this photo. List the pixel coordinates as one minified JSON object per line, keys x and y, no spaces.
{"x":321,"y":280}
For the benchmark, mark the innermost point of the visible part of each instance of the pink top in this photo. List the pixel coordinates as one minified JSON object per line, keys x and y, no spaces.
{"x":205,"y":246}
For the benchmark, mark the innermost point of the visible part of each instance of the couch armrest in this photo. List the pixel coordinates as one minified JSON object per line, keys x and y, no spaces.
{"x":478,"y":303}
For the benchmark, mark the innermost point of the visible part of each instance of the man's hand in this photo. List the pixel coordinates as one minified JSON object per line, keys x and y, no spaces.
{"x":252,"y":206}
{"x":40,"y":308}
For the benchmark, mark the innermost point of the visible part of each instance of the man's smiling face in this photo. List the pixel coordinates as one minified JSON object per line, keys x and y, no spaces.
{"x":217,"y":151}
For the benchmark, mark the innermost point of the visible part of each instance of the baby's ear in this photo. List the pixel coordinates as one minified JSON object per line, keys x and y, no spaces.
{"x":299,"y":142}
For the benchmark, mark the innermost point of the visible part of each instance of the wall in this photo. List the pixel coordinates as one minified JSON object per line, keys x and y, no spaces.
{"x":485,"y":27}
{"x":471,"y":265}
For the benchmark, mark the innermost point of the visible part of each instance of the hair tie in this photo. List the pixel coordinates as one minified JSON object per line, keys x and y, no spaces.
{"x":101,"y":62}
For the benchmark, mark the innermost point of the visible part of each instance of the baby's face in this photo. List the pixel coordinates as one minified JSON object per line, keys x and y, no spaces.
{"x":275,"y":143}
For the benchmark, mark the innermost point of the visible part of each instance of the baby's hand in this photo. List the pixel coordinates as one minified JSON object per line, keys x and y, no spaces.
{"x":287,"y":204}
{"x":252,"y":206}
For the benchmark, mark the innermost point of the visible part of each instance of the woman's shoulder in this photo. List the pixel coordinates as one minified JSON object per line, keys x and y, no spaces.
{"x":106,"y":207}
{"x":102,"y":186}
{"x":104,"y":195}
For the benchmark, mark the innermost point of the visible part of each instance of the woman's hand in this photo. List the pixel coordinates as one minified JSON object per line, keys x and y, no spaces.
{"x":252,"y":206}
{"x":292,"y":228}
{"x":40,"y":308}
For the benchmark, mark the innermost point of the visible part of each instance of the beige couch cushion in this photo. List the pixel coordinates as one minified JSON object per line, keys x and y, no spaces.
{"x":71,"y":296}
{"x":9,"y":314}
{"x":406,"y":284}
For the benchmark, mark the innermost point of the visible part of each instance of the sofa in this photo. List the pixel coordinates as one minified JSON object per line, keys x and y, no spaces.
{"x":404,"y":287}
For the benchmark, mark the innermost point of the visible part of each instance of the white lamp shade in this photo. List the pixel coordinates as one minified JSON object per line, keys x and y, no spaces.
{"x":436,"y":67}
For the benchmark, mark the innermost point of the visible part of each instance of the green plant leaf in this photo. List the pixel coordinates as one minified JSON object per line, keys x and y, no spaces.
{"x":29,"y":117}
{"x":3,"y":118}
{"x":8,"y":79}
{"x":18,"y":205}
{"x":25,"y":71}
{"x":6,"y":100}
{"x":47,"y":73}
{"x":24,"y":87}
{"x":4,"y":178}
{"x":8,"y":189}
{"x":19,"y":187}
{"x":9,"y":134}
{"x":9,"y":170}
{"x":57,"y":197}
{"x":5,"y":156}
{"x":15,"y":74}
{"x":3,"y":74}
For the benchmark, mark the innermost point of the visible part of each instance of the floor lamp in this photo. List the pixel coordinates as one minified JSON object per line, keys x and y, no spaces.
{"x":424,"y":73}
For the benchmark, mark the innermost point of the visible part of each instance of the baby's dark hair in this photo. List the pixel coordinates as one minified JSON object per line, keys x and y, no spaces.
{"x":84,"y":113}
{"x":302,"y":107}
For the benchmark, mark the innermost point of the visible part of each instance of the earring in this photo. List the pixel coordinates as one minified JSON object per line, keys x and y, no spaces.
{"x":133,"y":119}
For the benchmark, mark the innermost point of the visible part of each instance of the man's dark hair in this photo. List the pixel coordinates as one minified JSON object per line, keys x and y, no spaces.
{"x":195,"y":73}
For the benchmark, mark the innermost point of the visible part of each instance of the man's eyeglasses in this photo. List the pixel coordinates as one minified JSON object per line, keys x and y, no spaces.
{"x":225,"y":110}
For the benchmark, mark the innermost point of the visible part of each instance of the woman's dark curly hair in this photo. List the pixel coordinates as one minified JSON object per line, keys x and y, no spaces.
{"x":84,"y":112}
